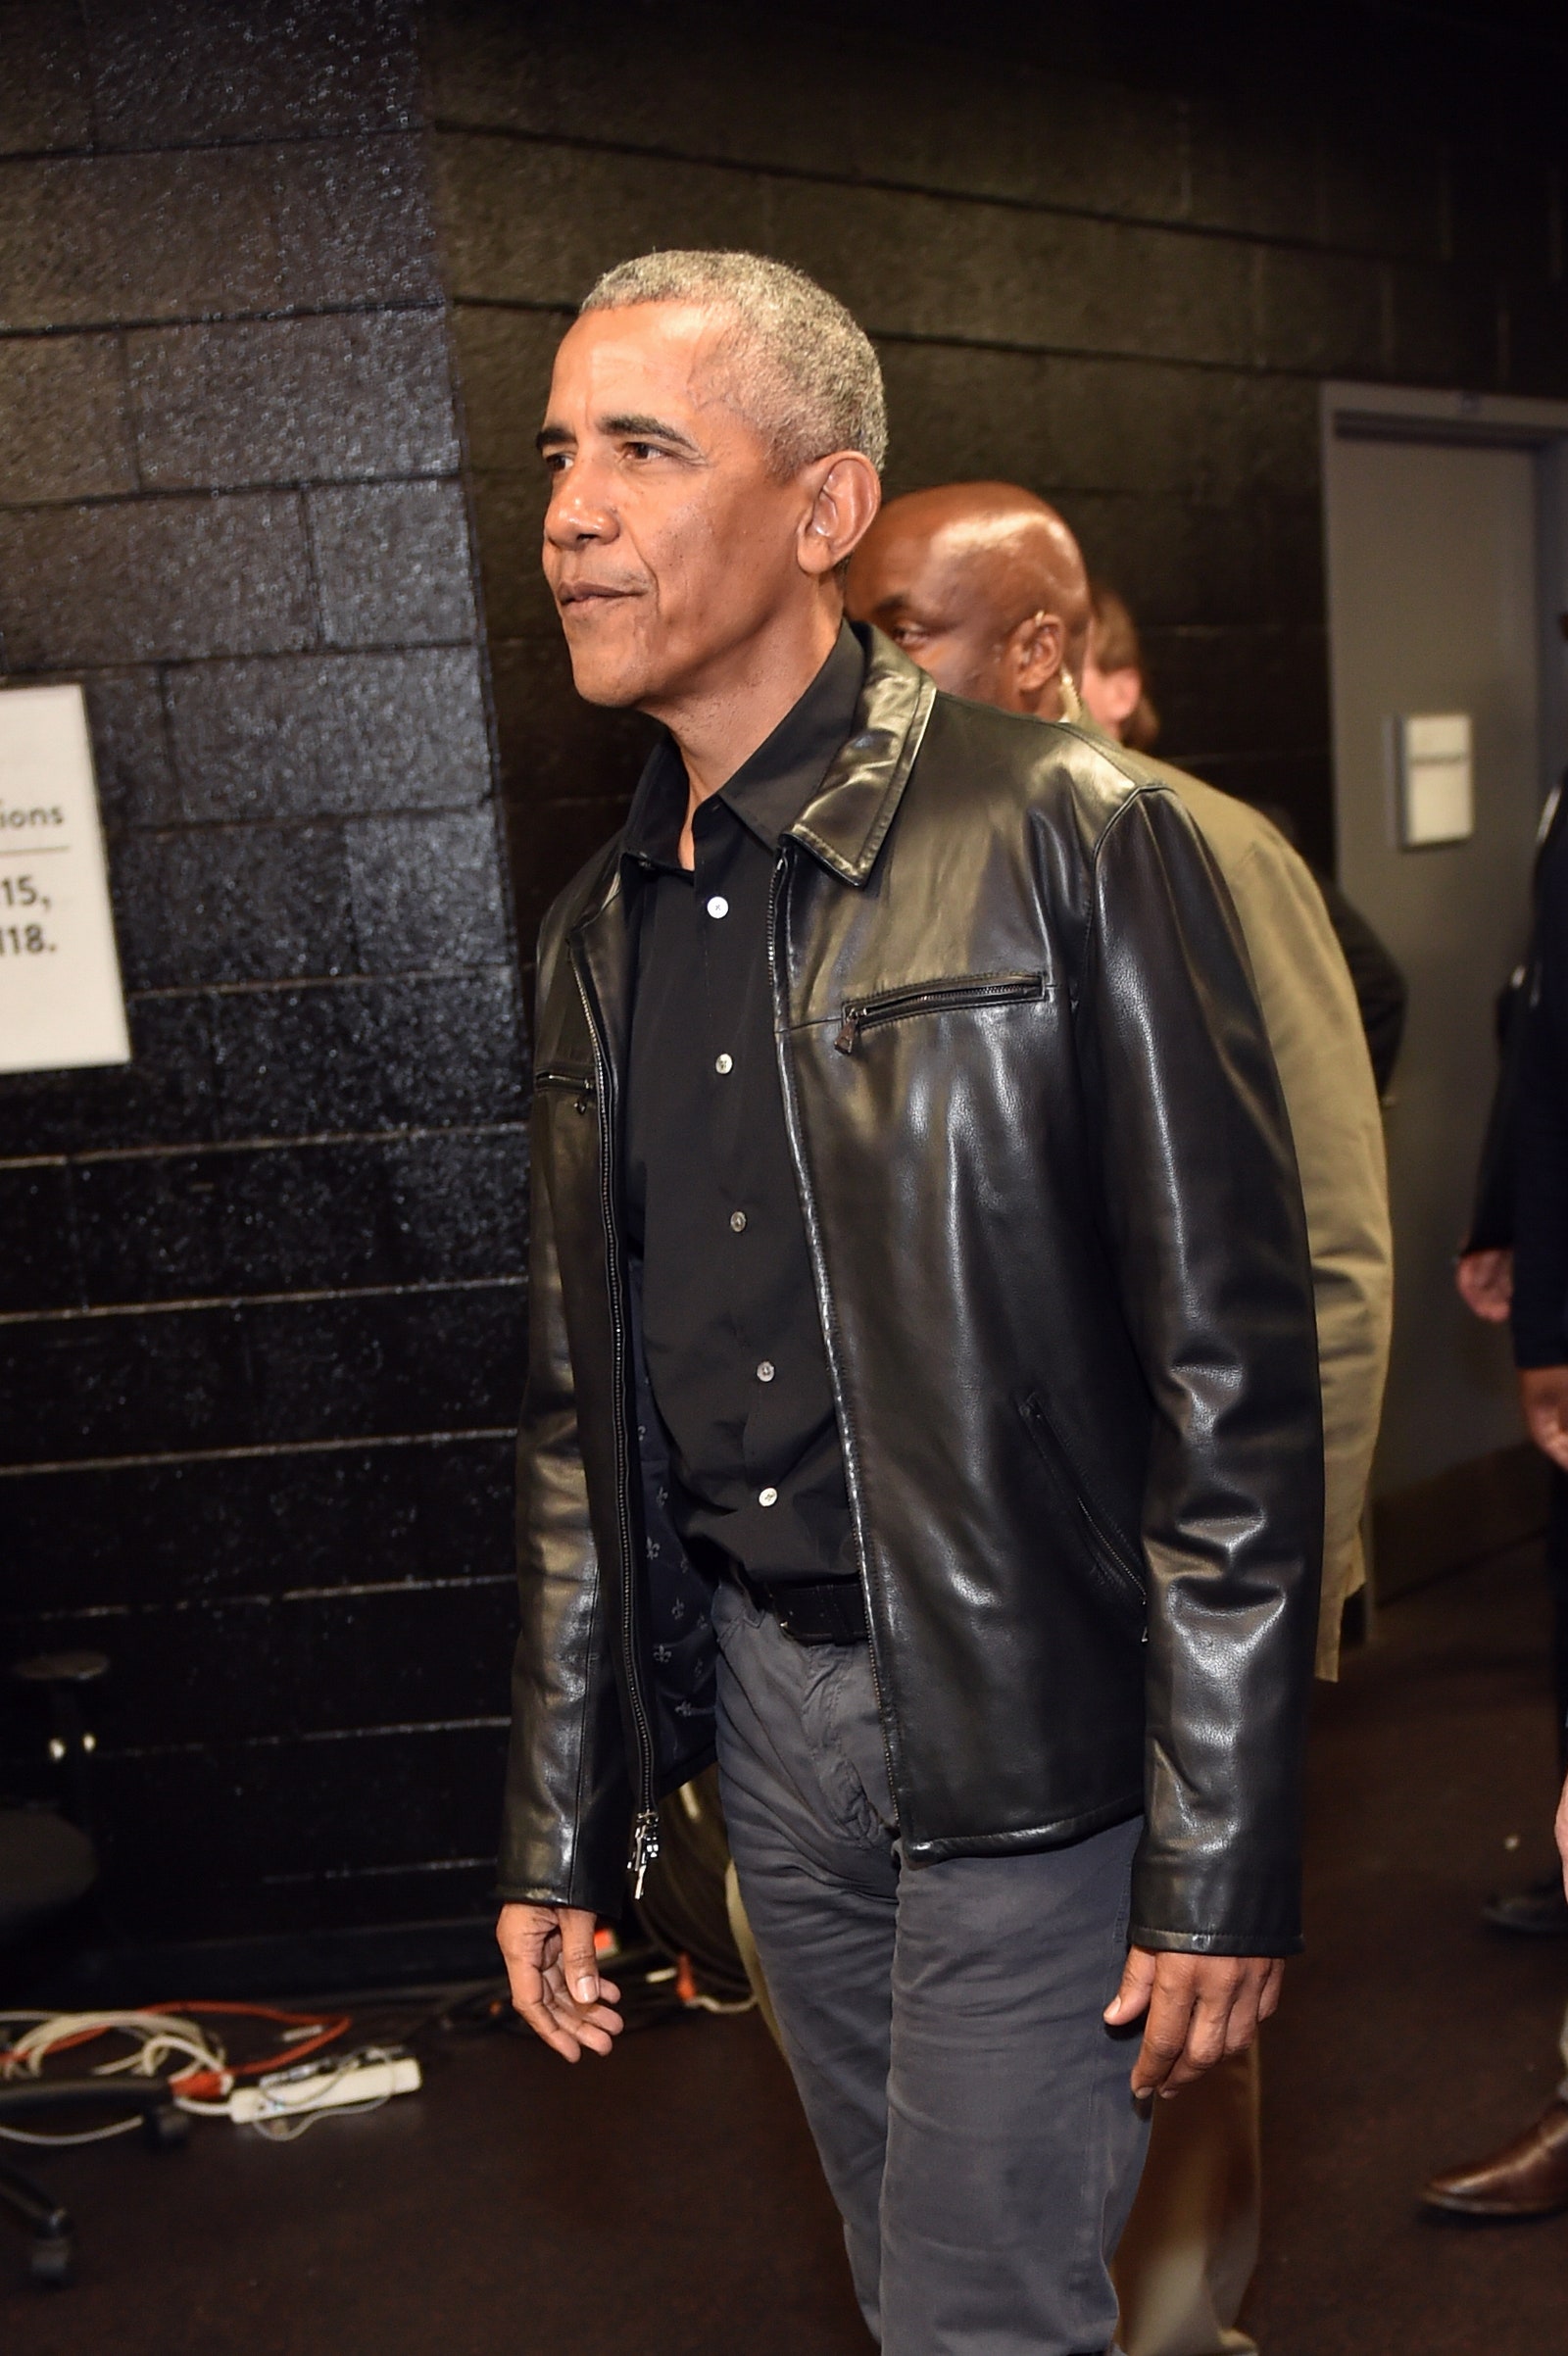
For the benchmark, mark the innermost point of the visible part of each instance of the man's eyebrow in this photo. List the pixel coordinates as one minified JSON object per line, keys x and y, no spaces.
{"x":552,"y":437}
{"x":639,"y":428}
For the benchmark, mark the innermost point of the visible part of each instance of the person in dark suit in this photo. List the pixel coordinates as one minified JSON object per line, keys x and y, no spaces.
{"x":1516,"y":1264}
{"x":1484,"y":1276}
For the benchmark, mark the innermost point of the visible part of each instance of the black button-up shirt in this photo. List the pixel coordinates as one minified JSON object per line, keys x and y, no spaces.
{"x":729,"y":1316}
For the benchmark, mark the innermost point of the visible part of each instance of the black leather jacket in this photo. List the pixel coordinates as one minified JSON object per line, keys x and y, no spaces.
{"x":1063,"y":1273}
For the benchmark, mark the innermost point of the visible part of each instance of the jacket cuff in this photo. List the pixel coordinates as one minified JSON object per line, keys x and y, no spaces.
{"x":1208,"y":1942}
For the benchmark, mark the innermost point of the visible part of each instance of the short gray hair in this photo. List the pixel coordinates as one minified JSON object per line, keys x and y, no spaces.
{"x":807,"y":375}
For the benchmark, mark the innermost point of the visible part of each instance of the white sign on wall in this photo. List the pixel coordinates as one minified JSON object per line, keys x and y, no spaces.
{"x":61,"y":1003}
{"x":1437,"y":779}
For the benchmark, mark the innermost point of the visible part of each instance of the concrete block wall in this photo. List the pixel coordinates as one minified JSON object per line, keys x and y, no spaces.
{"x":261,"y":1302}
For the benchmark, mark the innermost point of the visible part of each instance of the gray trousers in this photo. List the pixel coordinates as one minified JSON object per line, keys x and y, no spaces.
{"x":971,"y":2111}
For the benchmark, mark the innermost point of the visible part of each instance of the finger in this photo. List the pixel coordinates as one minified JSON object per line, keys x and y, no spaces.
{"x":1204,"y":2042}
{"x":564,"y":2009}
{"x":551,"y":2032}
{"x":526,"y":1981}
{"x":578,"y":1960}
{"x":1137,"y":1984}
{"x":1170,"y":2009}
{"x":1273,"y":1988}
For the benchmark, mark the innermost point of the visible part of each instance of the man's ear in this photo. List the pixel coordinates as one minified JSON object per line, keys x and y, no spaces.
{"x":846,"y":492}
{"x":1035,"y":654}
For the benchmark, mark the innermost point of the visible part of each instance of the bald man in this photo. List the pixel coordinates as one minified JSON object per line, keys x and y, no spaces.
{"x":984,"y":586}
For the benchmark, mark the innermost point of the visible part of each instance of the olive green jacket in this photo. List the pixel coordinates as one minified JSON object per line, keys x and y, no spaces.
{"x":1314,"y":1027}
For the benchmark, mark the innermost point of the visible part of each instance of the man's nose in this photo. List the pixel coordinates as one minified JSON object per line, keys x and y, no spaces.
{"x":575,"y":513}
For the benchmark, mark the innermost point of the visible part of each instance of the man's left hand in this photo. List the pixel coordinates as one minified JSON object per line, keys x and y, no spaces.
{"x":1199,"y":2007}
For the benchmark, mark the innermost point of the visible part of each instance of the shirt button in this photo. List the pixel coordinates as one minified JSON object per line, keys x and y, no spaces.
{"x":767,"y":1497}
{"x":718,"y":906}
{"x":723,"y":1063}
{"x":737,"y":1219}
{"x":765,"y":1372}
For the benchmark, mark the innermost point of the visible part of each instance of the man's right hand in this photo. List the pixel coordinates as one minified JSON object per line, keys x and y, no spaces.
{"x":556,"y":1985}
{"x":1543,"y":1397}
{"x":1486,"y":1284}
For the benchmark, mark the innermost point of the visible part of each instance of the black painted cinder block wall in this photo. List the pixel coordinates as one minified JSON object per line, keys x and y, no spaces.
{"x":1106,"y":252}
{"x":260,"y":1293}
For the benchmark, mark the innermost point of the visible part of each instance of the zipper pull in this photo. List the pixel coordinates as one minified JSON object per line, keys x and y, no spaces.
{"x":849,"y":1030}
{"x":644,"y":1849}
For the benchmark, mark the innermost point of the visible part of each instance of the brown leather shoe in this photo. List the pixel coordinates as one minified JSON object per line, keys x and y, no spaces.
{"x":1529,"y":2178}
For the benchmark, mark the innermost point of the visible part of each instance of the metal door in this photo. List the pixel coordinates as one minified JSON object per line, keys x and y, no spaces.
{"x":1434,"y":607}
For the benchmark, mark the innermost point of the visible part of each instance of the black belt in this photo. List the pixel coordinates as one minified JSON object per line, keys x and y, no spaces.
{"x":830,"y":1611}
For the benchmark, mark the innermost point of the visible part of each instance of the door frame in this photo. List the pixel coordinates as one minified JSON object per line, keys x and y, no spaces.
{"x":1473,"y":1508}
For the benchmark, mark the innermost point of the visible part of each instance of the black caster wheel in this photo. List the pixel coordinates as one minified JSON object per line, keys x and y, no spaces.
{"x":53,"y":2262}
{"x":165,"y":2129}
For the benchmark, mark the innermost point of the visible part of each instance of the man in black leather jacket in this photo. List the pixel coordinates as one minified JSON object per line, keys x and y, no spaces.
{"x":1011,"y":1546}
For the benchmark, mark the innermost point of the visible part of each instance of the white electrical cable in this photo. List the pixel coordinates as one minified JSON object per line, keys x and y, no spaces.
{"x":96,"y":2135}
{"x":156,"y":2040}
{"x":293,"y":2103}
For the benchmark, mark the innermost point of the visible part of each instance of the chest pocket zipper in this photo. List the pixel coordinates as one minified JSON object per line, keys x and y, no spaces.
{"x":576,"y":1083}
{"x":1108,"y":1552}
{"x":923,"y":997}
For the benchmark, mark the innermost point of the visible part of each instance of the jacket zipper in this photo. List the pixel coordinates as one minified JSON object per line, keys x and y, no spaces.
{"x":984,"y":990}
{"x":582,"y":1088}
{"x":644,"y":1819}
{"x":825,"y":1302}
{"x":1104,"y":1544}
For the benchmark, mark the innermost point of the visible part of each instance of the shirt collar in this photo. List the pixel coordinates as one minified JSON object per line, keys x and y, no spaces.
{"x":769,"y":791}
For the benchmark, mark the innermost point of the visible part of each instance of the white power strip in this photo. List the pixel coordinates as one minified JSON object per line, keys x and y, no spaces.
{"x":326,"y":2090}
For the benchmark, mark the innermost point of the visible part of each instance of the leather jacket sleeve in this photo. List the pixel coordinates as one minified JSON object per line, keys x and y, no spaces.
{"x":1208,"y":1235}
{"x":566,"y":1796}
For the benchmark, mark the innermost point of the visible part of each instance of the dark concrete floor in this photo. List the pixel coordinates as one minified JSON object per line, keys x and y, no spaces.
{"x":668,"y":2201}
{"x":1411,"y":2038}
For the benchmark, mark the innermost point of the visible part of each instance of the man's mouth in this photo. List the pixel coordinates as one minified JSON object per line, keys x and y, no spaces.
{"x":588,"y":593}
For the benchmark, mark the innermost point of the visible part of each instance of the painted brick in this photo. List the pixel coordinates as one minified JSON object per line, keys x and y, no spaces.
{"x":231,"y":903}
{"x":1215,"y":438}
{"x":373,"y":1055}
{"x":1008,"y":125}
{"x":427,"y":892}
{"x":140,"y":580}
{"x":393,"y":564}
{"x":536,"y":224}
{"x":63,"y":430}
{"x":508,"y":513}
{"x":165,"y":1094}
{"x":40,"y":1266}
{"x":422,"y":1361}
{"x":88,"y":241}
{"x":354,"y":223}
{"x":333,"y":735}
{"x":130,"y":746}
{"x":251,"y":1668}
{"x":171,"y":73}
{"x":503,"y":360}
{"x":193,"y":1533}
{"x":363,"y":1211}
{"x":43,"y":91}
{"x":284,"y":400}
